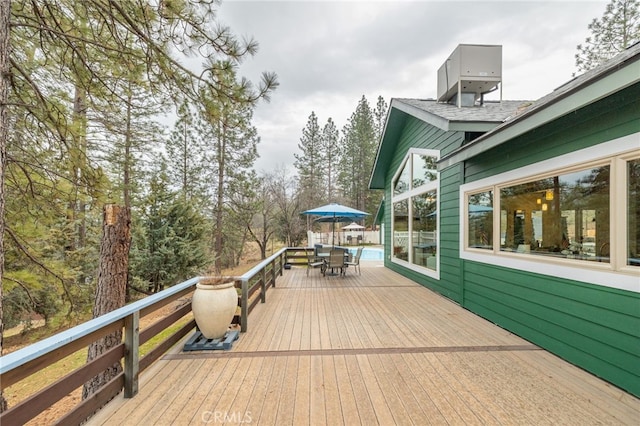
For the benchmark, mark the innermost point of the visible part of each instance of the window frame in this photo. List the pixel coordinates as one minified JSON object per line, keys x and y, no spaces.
{"x":428,"y":186}
{"x":614,"y":274}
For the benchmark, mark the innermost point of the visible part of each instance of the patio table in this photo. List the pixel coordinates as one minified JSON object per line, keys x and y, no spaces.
{"x":324,"y":256}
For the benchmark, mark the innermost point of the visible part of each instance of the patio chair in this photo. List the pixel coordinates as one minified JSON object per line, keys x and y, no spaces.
{"x":323,"y":251}
{"x":356,"y":261}
{"x":336,"y":261}
{"x":314,"y":262}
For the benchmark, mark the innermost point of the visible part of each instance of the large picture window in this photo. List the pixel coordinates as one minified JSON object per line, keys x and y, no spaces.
{"x":563,"y":215}
{"x":581,"y":222}
{"x":415,"y":211}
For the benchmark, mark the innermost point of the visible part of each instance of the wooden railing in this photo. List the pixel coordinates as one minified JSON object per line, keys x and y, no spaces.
{"x":26,"y":362}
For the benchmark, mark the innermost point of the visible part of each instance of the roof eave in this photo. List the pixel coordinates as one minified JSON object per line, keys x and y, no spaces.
{"x":397,"y":114}
{"x":586,"y":93}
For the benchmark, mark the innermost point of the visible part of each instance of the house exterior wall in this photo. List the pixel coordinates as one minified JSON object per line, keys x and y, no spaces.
{"x":594,"y":327}
{"x":418,"y":134}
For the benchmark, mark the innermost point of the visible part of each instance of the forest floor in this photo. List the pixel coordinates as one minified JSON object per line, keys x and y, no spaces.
{"x":18,"y":337}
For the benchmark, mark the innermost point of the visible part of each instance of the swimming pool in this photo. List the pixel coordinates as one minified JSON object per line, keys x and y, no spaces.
{"x":369,"y":253}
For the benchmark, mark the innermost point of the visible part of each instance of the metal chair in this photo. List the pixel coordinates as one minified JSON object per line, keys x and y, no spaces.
{"x":356,"y":260}
{"x":314,"y":262}
{"x":336,"y":261}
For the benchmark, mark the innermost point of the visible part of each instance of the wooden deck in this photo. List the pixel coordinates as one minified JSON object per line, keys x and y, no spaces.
{"x":370,"y":349}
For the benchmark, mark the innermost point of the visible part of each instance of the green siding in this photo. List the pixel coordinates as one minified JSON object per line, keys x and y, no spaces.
{"x":591,"y":326}
{"x":418,"y":134}
{"x":603,"y":121}
{"x":594,"y":327}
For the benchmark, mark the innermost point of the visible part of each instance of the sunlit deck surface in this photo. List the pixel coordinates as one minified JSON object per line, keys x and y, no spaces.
{"x":370,"y":349}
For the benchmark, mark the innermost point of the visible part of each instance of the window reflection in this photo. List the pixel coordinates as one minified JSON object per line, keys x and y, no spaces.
{"x":415,"y":220}
{"x":633,"y":213}
{"x":423,"y":236}
{"x":401,"y":230}
{"x":565,"y":216}
{"x":402,"y":184}
{"x":424,"y":170}
{"x":480,"y":219}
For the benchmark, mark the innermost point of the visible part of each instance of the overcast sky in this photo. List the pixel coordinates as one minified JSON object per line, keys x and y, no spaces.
{"x":327,"y":55}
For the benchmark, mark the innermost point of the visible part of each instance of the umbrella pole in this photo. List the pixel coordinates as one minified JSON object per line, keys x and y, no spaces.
{"x":333,"y":236}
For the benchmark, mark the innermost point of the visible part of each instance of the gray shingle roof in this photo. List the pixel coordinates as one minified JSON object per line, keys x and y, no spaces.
{"x":584,"y":83}
{"x":491,"y":111}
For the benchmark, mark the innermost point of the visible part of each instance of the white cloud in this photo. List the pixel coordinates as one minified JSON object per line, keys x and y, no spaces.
{"x":328,"y":54}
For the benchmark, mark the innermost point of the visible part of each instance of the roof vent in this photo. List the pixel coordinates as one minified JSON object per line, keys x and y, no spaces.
{"x":470,"y":72}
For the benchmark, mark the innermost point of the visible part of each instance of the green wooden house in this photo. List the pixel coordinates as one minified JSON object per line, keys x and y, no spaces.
{"x":526,"y":213}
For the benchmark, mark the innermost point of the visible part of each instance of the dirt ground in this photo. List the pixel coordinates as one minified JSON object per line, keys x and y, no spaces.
{"x":15,"y":339}
{"x":50,"y":415}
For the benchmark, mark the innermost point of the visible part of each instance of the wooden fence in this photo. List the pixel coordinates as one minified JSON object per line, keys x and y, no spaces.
{"x":24,"y":363}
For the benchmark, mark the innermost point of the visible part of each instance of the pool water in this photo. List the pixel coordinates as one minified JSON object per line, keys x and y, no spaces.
{"x":369,"y":253}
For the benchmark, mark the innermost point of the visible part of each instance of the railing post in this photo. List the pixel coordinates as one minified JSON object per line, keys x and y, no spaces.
{"x":263,"y":290}
{"x":244,"y":309}
{"x":131,"y":354}
{"x":281,"y":263}
{"x":273,"y":272}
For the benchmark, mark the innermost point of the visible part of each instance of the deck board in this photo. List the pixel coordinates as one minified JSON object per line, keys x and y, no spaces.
{"x":369,"y":349}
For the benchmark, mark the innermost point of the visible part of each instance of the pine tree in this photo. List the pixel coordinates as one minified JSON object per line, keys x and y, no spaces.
{"x":170,"y":238}
{"x":330,"y":139}
{"x":231,"y":151}
{"x":618,"y":29}
{"x":185,"y":154}
{"x":66,"y":64}
{"x":358,"y":146}
{"x":380,"y":117}
{"x":5,"y":13}
{"x":310,"y":163}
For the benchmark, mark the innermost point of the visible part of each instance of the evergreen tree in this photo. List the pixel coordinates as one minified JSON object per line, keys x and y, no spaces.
{"x":380,"y":117}
{"x":618,"y":29}
{"x":310,"y":163}
{"x":231,"y":152}
{"x":170,"y":238}
{"x":359,"y":147}
{"x":330,"y":140}
{"x":69,"y":61}
{"x":186,"y":156}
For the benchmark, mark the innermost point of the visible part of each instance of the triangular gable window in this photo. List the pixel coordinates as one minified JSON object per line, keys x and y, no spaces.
{"x":402,"y":184}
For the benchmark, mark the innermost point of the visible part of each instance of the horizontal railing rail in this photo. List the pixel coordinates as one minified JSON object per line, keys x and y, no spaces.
{"x":25,"y":362}
{"x":259,"y":278}
{"x":298,"y":255}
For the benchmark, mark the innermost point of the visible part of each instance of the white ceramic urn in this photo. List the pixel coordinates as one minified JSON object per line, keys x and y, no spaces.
{"x":214,"y":306}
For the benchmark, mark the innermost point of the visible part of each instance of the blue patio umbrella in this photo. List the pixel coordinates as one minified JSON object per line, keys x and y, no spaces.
{"x":333,"y":219}
{"x":335,"y":213}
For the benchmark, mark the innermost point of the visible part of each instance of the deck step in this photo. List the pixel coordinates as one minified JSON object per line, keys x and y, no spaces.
{"x":198,"y":342}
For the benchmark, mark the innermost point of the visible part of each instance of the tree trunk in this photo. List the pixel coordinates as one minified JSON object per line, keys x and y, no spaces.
{"x":111,"y":288}
{"x":220,"y":198}
{"x":5,"y":13}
